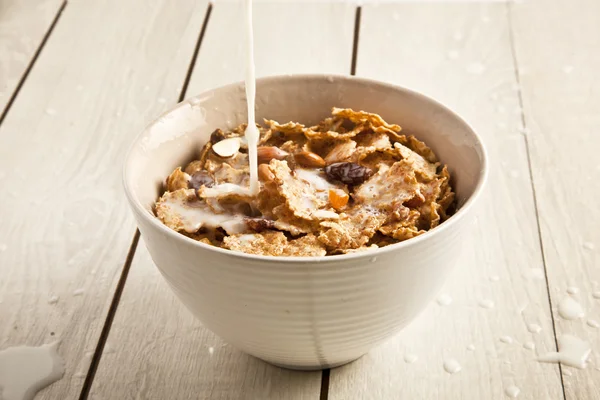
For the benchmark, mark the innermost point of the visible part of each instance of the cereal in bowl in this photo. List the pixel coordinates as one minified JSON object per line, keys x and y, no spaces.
{"x":351,"y":183}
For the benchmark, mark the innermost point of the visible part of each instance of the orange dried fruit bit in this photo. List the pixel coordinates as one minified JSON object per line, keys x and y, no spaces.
{"x":338,"y":198}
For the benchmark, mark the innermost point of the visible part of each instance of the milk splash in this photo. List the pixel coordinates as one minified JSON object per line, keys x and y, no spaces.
{"x":25,"y":370}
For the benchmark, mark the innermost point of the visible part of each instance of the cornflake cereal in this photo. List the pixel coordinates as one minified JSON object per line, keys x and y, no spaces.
{"x":351,"y":183}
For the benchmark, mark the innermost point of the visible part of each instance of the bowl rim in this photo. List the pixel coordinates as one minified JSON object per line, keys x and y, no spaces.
{"x":427,"y":236}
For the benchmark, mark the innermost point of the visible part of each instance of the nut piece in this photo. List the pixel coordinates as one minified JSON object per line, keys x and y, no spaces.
{"x":267,"y":153}
{"x":217,"y":136}
{"x":227,"y":147}
{"x":309,"y":160}
{"x":199,"y":179}
{"x":177,"y":180}
{"x":264,"y":173}
{"x":338,"y":198}
{"x":348,"y":173}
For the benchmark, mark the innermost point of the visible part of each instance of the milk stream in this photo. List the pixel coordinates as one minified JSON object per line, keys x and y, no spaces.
{"x":252,"y":133}
{"x":26,"y":370}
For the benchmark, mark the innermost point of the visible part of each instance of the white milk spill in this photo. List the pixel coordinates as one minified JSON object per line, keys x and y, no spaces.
{"x":452,"y":366}
{"x":572,"y":351}
{"x":512,"y":392}
{"x":588,"y":245}
{"x":193,"y":217}
{"x":251,"y":133}
{"x":534,"y":328}
{"x":26,"y":370}
{"x":485,"y":303}
{"x":569,"y":309}
{"x":78,"y":292}
{"x":53,"y":300}
{"x":410,"y":358}
{"x":471,"y":347}
{"x":444,"y":300}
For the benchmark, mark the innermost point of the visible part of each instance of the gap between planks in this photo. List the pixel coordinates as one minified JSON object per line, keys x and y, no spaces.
{"x":533,"y":191}
{"x":38,"y":51}
{"x":89,"y":379}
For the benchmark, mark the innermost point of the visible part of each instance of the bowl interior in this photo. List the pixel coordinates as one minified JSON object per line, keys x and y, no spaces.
{"x":178,"y":135}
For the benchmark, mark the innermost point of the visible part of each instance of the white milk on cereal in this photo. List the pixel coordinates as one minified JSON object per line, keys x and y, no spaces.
{"x":252,"y":133}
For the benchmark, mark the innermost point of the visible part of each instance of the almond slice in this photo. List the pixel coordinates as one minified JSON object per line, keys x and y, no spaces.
{"x":227,"y":147}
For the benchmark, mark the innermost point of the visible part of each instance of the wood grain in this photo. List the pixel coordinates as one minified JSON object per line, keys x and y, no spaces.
{"x":107,"y":69}
{"x":561,"y":95}
{"x":165,"y":350}
{"x":23,"y":25}
{"x":461,"y":55}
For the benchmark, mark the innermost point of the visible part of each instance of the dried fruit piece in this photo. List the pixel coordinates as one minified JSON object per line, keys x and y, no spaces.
{"x":309,"y":159}
{"x":338,"y":198}
{"x":259,"y":224}
{"x":227,"y":147}
{"x":177,"y":180}
{"x":348,"y":173}
{"x":264,"y":173}
{"x":199,"y":179}
{"x":267,"y":153}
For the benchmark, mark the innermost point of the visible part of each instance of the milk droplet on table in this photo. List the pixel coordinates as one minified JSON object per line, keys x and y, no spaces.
{"x":572,"y":290}
{"x":567,"y":69}
{"x":593,"y":323}
{"x":211,"y":350}
{"x":569,"y":309}
{"x":471,"y":347}
{"x":572,"y":351}
{"x":596,"y":295}
{"x":78,"y":292}
{"x":512,"y":391}
{"x":53,"y":300}
{"x":494,"y":278}
{"x":444,"y":300}
{"x":506,"y":339}
{"x":452,"y":366}
{"x":25,"y":370}
{"x":410,"y":358}
{"x":588,"y":245}
{"x":534,"y":328}
{"x":486,"y":303}
{"x":529,"y":345}
{"x":50,"y":111}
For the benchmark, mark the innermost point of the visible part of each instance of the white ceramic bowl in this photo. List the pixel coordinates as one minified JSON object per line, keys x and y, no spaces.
{"x":308,"y":312}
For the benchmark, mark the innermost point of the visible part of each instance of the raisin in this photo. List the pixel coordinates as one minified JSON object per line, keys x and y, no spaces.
{"x":217,"y":136}
{"x":259,"y":224}
{"x":348,"y":173}
{"x":199,"y":179}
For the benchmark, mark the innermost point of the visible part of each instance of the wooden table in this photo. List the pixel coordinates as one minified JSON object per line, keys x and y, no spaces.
{"x":79,"y":80}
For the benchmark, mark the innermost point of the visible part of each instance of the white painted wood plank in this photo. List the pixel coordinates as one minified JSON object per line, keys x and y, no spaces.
{"x":461,"y":55}
{"x":290,"y":38}
{"x":557,"y":47}
{"x":23,"y":25}
{"x":165,"y":350}
{"x":157,"y":349}
{"x":108,"y":68}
